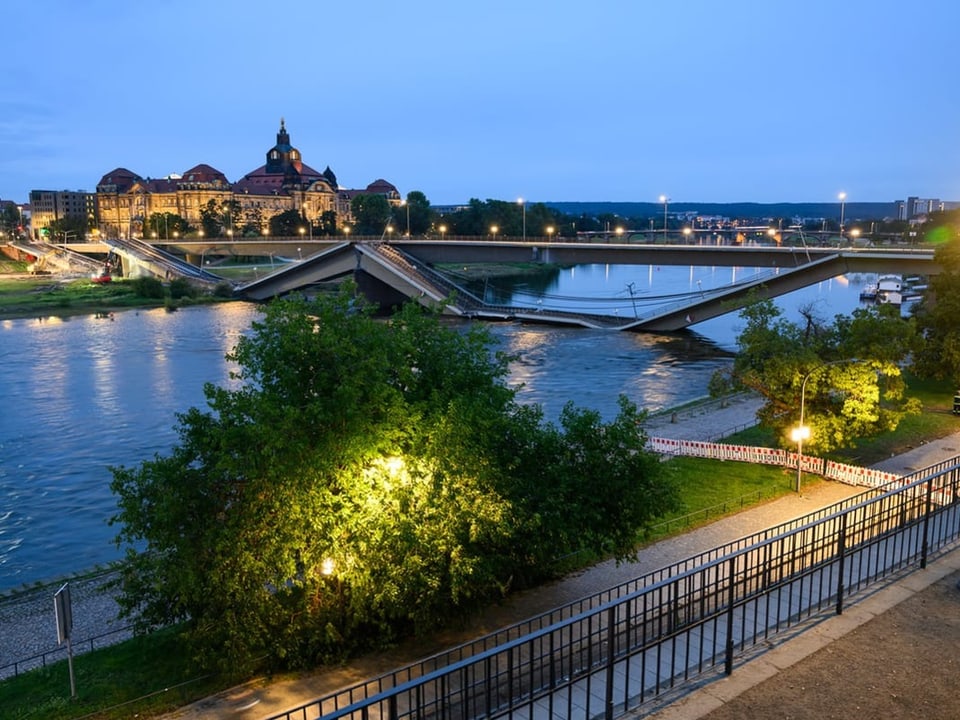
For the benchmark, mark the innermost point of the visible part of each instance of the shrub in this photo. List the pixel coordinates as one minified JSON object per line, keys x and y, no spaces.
{"x":148,"y":287}
{"x":182,"y":288}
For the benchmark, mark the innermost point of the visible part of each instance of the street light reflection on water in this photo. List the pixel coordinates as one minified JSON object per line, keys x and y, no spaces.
{"x":59,"y":502}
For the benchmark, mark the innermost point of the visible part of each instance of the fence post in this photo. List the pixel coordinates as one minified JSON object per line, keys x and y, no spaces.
{"x":731,"y":595}
{"x":611,"y":640}
{"x":926,"y":526}
{"x":842,"y":552}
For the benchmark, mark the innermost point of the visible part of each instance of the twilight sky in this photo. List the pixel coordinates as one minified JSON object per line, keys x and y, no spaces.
{"x":620,"y":100}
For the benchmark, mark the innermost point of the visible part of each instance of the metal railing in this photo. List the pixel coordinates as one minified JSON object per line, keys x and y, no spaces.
{"x":58,"y":654}
{"x":617,"y":649}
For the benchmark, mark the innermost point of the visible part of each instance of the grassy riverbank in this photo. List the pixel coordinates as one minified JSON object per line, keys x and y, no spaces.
{"x":24,"y":295}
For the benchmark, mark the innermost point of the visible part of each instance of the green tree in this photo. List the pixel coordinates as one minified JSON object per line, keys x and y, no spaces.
{"x":287,"y":224}
{"x":365,"y":479}
{"x":328,"y":223}
{"x":163,"y":226}
{"x":847,"y":374}
{"x":937,"y":314}
{"x":210,"y":219}
{"x":417,"y":210}
{"x":371,"y":214}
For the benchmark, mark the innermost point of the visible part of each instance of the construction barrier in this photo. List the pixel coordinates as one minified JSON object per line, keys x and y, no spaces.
{"x":848,"y":474}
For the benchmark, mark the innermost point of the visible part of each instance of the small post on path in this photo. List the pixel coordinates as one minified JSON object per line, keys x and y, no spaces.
{"x":63,"y":610}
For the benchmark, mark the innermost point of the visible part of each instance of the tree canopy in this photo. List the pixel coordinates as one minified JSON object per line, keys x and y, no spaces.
{"x":845,"y":374}
{"x":363,"y":479}
{"x":938,"y":318}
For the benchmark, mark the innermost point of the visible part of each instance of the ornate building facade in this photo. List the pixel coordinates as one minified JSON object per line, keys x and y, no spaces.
{"x":284,"y":182}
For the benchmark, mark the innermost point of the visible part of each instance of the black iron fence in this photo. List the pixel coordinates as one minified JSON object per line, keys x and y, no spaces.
{"x":618,"y":649}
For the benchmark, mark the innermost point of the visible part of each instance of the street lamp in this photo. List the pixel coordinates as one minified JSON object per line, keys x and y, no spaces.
{"x":346,"y":231}
{"x":664,"y":199}
{"x":802,"y":432}
{"x":523,"y":210}
{"x":549,"y":230}
{"x":407,"y":204}
{"x":493,"y":231}
{"x":299,"y":254}
{"x":686,"y":234}
{"x":443,"y":231}
{"x":843,"y":198}
{"x":302,"y":232}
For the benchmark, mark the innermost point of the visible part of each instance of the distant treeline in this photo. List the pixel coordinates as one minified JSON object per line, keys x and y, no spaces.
{"x":852,"y":210}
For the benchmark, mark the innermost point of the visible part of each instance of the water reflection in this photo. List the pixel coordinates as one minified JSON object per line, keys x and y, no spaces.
{"x":84,"y":393}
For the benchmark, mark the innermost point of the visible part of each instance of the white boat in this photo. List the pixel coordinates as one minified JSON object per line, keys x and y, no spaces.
{"x":890,"y":289}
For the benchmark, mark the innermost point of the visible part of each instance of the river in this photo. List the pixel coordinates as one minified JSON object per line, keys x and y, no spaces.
{"x":83,"y":393}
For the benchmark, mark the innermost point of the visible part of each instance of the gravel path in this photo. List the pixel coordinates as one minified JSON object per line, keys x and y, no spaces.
{"x":28,"y":628}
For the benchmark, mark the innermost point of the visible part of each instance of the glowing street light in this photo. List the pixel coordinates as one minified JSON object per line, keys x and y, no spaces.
{"x":443,"y":231}
{"x":802,"y":432}
{"x":493,"y":231}
{"x":843,"y":199}
{"x":303,"y":231}
{"x":664,"y":199}
{"x":405,"y":203}
{"x":550,"y":230}
{"x":619,"y":232}
{"x":686,"y":234}
{"x":346,"y":231}
{"x":523,"y":210}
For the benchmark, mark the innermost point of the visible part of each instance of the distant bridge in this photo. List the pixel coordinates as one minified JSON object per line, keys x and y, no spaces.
{"x":390,"y":273}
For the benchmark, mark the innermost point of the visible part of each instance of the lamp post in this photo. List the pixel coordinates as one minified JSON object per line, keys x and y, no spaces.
{"x":664,"y":199}
{"x":493,"y":231}
{"x":802,"y":432}
{"x":407,"y":204}
{"x":549,"y":231}
{"x":443,"y":231}
{"x":843,"y":199}
{"x":523,"y":211}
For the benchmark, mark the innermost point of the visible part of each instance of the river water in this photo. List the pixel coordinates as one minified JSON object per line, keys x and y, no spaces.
{"x":83,"y":393}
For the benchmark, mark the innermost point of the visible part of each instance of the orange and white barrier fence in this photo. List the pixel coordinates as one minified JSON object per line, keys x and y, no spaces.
{"x":849,"y":474}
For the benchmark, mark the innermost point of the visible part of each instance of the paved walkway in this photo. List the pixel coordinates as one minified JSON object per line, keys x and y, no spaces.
{"x":259,"y":699}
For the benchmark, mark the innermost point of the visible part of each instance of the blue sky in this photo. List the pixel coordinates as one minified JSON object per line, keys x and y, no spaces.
{"x":620,"y":100}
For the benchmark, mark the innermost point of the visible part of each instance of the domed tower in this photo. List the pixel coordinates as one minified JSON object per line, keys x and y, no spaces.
{"x":283,"y":157}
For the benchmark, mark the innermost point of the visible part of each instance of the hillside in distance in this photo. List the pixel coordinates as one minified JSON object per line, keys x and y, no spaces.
{"x":852,"y":210}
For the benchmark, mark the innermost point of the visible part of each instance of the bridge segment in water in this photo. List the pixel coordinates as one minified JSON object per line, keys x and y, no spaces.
{"x":391,"y":273}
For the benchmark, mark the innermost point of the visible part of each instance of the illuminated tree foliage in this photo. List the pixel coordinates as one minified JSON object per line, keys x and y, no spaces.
{"x":938,"y":318}
{"x":852,"y":370}
{"x":362,"y":479}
